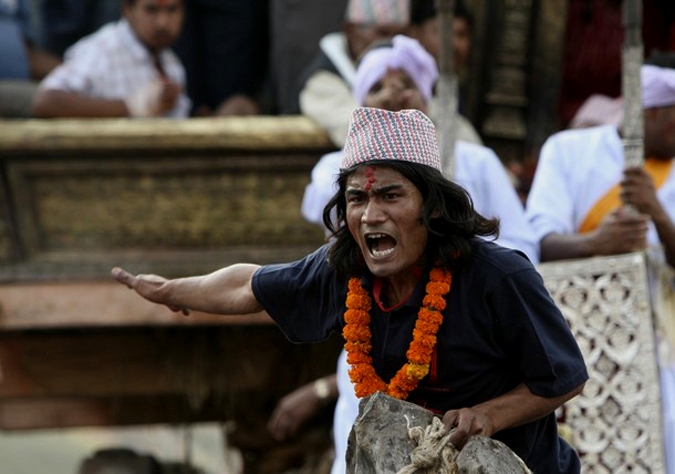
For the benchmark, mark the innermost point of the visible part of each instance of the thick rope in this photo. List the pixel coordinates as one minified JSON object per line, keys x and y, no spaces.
{"x":434,"y":453}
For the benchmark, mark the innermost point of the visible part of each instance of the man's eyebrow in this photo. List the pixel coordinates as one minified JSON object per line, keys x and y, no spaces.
{"x":383,"y":190}
{"x":387,"y":189}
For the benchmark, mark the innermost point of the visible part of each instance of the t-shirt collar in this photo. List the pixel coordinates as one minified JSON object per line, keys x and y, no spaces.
{"x":374,"y":284}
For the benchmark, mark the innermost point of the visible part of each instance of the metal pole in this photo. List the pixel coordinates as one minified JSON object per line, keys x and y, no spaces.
{"x":632,"y":57}
{"x":447,"y":89}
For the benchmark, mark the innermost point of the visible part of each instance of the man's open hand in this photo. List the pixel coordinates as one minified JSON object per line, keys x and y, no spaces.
{"x":149,"y":287}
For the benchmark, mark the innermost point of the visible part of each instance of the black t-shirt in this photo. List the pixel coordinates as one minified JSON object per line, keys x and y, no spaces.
{"x":500,"y":328}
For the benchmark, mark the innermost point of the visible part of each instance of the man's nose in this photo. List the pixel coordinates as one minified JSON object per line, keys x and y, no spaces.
{"x":372,"y":213}
{"x":163,"y":19}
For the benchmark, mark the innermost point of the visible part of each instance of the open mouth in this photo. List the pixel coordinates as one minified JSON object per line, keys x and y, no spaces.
{"x":380,"y":245}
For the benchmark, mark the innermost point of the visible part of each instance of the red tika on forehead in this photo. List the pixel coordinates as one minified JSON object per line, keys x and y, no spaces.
{"x":370,"y":173}
{"x":376,"y":134}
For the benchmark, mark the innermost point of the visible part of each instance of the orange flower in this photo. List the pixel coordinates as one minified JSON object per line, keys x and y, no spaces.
{"x":358,"y":346}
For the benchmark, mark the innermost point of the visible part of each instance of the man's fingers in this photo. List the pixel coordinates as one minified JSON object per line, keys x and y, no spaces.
{"x":179,"y":309}
{"x":123,"y":276}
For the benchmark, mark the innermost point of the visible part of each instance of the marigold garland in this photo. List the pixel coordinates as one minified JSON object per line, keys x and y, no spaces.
{"x":358,"y":346}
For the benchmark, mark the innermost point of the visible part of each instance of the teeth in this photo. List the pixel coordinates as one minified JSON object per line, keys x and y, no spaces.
{"x":376,"y":236}
{"x":381,"y":253}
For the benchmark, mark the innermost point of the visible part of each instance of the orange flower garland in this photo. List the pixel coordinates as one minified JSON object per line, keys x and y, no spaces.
{"x":357,"y":334}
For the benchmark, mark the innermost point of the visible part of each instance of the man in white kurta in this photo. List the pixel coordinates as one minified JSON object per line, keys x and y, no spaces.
{"x":572,"y":215}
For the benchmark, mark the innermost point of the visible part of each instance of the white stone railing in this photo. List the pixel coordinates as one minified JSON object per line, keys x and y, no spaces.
{"x":616,"y":423}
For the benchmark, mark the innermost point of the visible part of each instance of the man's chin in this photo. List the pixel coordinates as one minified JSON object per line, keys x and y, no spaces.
{"x":382,"y":269}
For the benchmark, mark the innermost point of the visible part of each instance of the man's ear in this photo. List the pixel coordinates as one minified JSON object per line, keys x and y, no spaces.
{"x":436,"y":214}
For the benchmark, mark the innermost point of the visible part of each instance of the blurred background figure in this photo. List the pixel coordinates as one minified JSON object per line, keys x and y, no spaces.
{"x":325,"y":86}
{"x":22,"y":62}
{"x":124,"y":69}
{"x":424,"y":27}
{"x":120,"y":461}
{"x":63,"y":22}
{"x":598,"y":109}
{"x":296,"y":27}
{"x":591,"y":61}
{"x":223,"y":47}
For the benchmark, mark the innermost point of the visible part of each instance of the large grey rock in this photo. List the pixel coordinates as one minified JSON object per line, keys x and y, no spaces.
{"x":388,"y":430}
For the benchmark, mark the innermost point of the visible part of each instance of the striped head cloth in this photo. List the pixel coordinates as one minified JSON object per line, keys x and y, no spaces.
{"x":377,"y":134}
{"x":378,"y":12}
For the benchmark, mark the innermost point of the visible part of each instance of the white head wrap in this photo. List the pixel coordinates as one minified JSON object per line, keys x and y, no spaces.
{"x":598,"y":109}
{"x":406,"y":54}
{"x":658,"y":86}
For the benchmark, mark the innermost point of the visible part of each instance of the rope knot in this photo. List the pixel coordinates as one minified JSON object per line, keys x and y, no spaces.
{"x":431,"y":454}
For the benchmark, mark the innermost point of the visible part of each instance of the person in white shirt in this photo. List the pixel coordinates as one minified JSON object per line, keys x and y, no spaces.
{"x":576,"y":206}
{"x":324,"y":87}
{"x":124,"y":69}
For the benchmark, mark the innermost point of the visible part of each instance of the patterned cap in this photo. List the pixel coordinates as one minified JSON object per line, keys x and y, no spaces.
{"x":377,"y":134}
{"x":378,"y":12}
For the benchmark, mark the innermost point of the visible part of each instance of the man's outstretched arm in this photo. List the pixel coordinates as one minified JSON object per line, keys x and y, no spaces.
{"x":225,"y":291}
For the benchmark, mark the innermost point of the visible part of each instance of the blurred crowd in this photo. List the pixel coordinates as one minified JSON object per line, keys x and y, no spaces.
{"x":181,"y":58}
{"x":320,"y":58}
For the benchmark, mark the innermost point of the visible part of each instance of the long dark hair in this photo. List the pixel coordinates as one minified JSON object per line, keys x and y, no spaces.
{"x":447,"y":213}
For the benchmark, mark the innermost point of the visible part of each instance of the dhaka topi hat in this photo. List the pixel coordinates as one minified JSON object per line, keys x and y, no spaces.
{"x":406,"y":54}
{"x":658,"y":86}
{"x":378,"y":134}
{"x":378,"y":12}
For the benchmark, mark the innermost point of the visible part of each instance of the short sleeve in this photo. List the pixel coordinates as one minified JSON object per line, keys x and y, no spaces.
{"x":305,"y":298}
{"x":539,"y":339}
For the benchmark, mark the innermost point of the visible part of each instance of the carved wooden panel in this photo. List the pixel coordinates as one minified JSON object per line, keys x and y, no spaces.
{"x":176,"y":197}
{"x":616,"y":421}
{"x":176,"y":202}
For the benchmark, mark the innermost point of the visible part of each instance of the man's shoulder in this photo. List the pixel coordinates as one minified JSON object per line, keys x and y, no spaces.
{"x":490,"y":260}
{"x":477,"y":161}
{"x":317,"y":259}
{"x":584,"y":135}
{"x":320,"y":62}
{"x":100,"y":41}
{"x":475,"y":151}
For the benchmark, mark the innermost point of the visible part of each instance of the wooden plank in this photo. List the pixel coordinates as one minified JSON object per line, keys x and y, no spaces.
{"x":95,"y":304}
{"x":244,"y":133}
{"x":81,"y":188}
{"x":140,"y":203}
